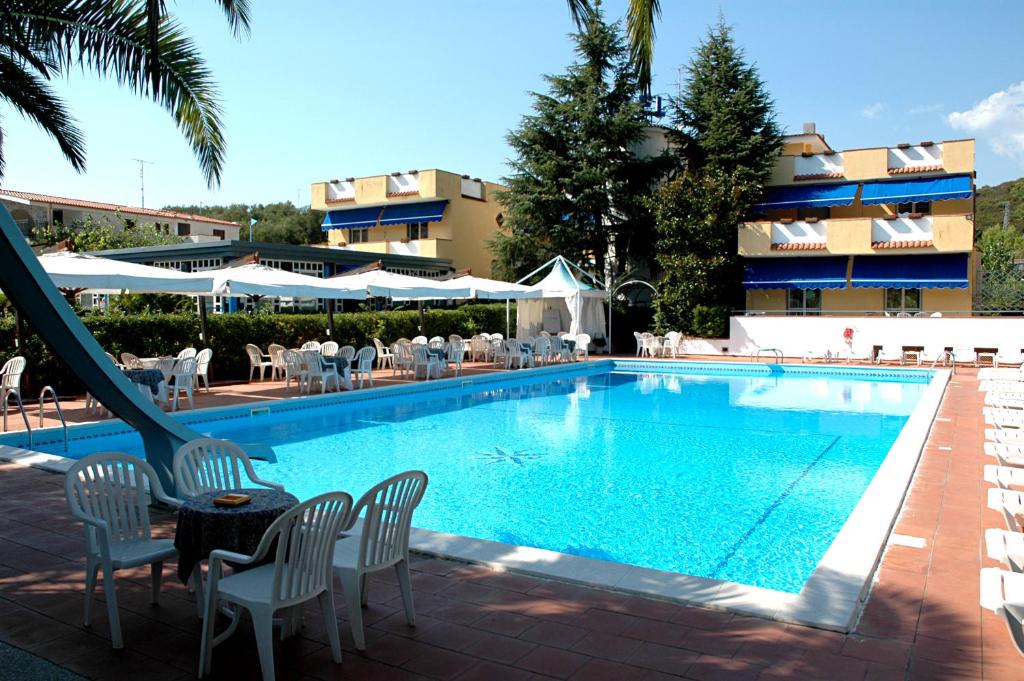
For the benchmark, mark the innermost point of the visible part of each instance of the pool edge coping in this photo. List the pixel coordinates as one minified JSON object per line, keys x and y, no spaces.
{"x":832,"y":596}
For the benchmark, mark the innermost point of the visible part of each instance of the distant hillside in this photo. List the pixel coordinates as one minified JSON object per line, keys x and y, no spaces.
{"x":988,"y":210}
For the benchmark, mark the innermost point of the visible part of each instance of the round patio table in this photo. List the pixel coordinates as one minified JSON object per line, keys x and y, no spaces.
{"x":203,"y":527}
{"x":152,"y":378}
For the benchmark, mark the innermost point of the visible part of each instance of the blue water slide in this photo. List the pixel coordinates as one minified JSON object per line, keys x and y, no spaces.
{"x":28,"y":286}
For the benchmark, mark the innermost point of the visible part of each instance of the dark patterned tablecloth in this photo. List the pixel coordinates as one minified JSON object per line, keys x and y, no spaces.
{"x":340,"y":363}
{"x":203,"y":527}
{"x":151,"y":377}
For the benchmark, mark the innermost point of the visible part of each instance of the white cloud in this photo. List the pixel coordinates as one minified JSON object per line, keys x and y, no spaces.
{"x":999,"y":119}
{"x":872,"y":111}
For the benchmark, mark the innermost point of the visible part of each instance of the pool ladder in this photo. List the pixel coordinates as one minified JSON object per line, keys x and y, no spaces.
{"x":42,"y":403}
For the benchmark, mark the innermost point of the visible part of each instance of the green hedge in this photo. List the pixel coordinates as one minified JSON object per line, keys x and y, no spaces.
{"x":165,"y":334}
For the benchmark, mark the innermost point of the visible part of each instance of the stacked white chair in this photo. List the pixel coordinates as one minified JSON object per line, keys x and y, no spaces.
{"x":107,"y":492}
{"x":302,"y":540}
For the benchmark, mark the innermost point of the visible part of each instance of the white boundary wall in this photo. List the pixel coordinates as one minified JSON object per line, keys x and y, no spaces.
{"x":795,"y":336}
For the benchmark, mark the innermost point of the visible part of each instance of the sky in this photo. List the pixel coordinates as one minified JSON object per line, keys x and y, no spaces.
{"x":335,"y":88}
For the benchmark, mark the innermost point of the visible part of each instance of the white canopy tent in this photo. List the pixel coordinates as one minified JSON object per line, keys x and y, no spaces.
{"x":566,"y":303}
{"x":259,"y":280}
{"x":468,"y":286}
{"x":103,"y":275}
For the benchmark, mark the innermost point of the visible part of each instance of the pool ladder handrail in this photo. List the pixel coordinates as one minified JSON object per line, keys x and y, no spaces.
{"x":60,"y":412}
{"x":21,"y":408}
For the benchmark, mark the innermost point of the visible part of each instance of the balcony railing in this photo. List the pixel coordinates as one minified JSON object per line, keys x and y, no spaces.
{"x":902,"y":232}
{"x":818,"y":166}
{"x":799,"y":235}
{"x":915,"y":158}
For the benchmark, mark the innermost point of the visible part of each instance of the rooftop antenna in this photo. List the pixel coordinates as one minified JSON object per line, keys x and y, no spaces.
{"x":142,"y":180}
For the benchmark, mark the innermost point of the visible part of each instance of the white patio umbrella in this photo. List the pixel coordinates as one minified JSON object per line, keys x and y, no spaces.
{"x":400,"y":286}
{"x":260,"y":280}
{"x":82,"y":271}
{"x":487,"y":289}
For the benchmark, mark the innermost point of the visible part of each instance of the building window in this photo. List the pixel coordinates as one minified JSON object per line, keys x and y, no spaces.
{"x":822,"y":213}
{"x":219,"y":233}
{"x":58,"y":217}
{"x":902,"y":300}
{"x":359,"y":236}
{"x":417,"y":230}
{"x":184,"y":229}
{"x":905,"y":209}
{"x":803,"y":301}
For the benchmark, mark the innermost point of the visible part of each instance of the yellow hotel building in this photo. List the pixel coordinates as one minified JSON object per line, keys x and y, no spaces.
{"x":880,"y":230}
{"x":426,"y":213}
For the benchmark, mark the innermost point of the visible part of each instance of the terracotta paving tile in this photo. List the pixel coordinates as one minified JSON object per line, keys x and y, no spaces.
{"x":489,"y":671}
{"x":499,"y":648}
{"x":553,"y":634}
{"x":552,"y":662}
{"x":507,"y":624}
{"x":605,"y":670}
{"x":663,"y":658}
{"x":607,"y":646}
{"x":714,"y":668}
{"x":437,"y":663}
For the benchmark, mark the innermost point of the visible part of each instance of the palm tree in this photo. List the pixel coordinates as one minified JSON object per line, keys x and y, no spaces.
{"x":134,"y":42}
{"x":641,"y":17}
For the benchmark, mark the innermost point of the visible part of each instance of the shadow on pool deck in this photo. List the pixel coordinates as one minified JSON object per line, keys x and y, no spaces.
{"x":922,"y":620}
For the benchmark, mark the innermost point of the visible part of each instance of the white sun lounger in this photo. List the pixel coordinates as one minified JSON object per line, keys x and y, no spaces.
{"x":1001,"y":386}
{"x":1010,"y":503}
{"x":1005,"y":400}
{"x":1006,"y":477}
{"x":1002,"y":592}
{"x":1003,"y":374}
{"x":1003,"y":418}
{"x":1006,"y":547}
{"x":1012,"y":436}
{"x":1006,"y":454}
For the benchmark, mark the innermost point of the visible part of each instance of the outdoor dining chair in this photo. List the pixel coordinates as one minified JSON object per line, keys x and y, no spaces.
{"x":187,"y":353}
{"x":347,"y":352}
{"x":455,"y":356}
{"x":293,"y":370}
{"x":107,"y":492}
{"x":362,"y":364}
{"x":319,"y":370}
{"x":130,"y":361}
{"x":275,"y":353}
{"x":311,"y":345}
{"x":207,"y":464}
{"x":10,"y":378}
{"x":423,"y":359}
{"x":256,"y":362}
{"x":384,"y":355}
{"x":329,"y":349}
{"x":380,"y":541}
{"x":203,"y":368}
{"x":183,"y":377}
{"x":299,"y":542}
{"x":582,"y":346}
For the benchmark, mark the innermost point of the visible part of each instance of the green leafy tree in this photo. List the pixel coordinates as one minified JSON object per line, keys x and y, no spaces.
{"x":1002,"y":285}
{"x":275,"y":222}
{"x":98,"y":235}
{"x":577,"y":186}
{"x":134,"y":42}
{"x":728,"y":142}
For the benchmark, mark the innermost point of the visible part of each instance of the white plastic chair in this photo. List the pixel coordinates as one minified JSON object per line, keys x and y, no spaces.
{"x":499,"y":354}
{"x":542,"y":349}
{"x":329,"y":349}
{"x":203,"y":368}
{"x":183,"y":376}
{"x":318,"y":370}
{"x":10,"y":378}
{"x":381,"y":541}
{"x":348,"y":352}
{"x":479,"y":348}
{"x":889,"y":353}
{"x":422,"y":359}
{"x":436,"y":339}
{"x":965,"y":355}
{"x":187,"y":353}
{"x":1002,"y":592}
{"x":401,"y":358}
{"x":107,"y":492}
{"x":419,"y":340}
{"x":384,"y":355}
{"x":302,"y":539}
{"x":639,"y":343}
{"x":256,"y":362}
{"x":311,"y":345}
{"x":672,"y":344}
{"x":497,"y":336}
{"x":130,"y":361}
{"x":514,"y":354}
{"x":209,"y":465}
{"x":455,"y":355}
{"x":362,"y":364}
{"x":582,"y":347}
{"x":276,"y":354}
{"x":293,"y":371}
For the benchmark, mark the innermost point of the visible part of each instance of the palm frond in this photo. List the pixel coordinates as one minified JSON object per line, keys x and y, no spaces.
{"x":641,"y":18}
{"x":30,"y":95}
{"x":239,"y":15}
{"x":112,"y":39}
{"x":580,"y":11}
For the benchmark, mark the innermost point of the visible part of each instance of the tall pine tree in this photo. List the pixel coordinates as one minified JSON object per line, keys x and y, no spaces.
{"x":729,"y":141}
{"x":577,"y":187}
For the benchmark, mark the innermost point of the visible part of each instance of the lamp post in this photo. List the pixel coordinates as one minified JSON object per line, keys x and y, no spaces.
{"x":611,"y":296}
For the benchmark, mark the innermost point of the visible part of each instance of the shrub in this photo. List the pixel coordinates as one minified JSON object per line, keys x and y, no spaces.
{"x":154,"y":335}
{"x":710,"y":321}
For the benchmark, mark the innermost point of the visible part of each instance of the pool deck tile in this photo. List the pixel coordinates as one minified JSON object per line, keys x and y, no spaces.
{"x":921,"y":621}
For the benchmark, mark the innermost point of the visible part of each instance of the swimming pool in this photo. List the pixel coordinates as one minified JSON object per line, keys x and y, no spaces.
{"x":738,"y":473}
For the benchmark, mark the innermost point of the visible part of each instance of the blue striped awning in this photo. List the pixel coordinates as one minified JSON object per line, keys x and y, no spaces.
{"x":807,"y":196}
{"x":405,"y":213}
{"x":351,"y":218}
{"x":942,"y":270}
{"x":817,"y":272}
{"x":909,"y":191}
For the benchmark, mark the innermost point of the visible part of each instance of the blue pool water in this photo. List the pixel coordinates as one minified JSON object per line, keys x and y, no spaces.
{"x":735,"y":477}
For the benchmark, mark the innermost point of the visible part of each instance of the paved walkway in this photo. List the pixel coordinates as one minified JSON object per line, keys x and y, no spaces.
{"x":922,"y":620}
